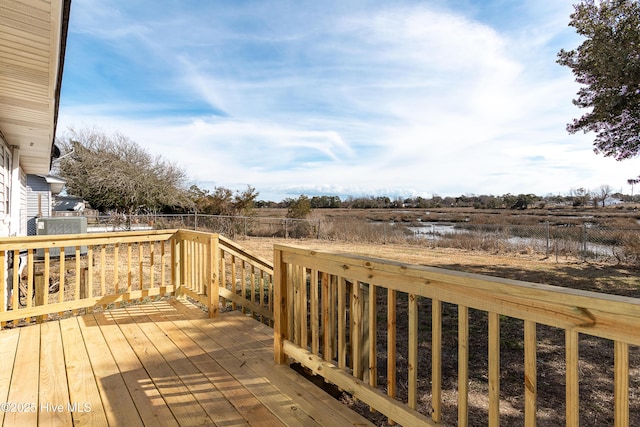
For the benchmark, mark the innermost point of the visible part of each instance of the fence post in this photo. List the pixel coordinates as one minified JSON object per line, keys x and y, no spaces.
{"x":584,"y":241}
{"x":280,"y":308}
{"x":547,"y":232}
{"x":384,"y":233}
{"x":433,"y":235}
{"x":319,"y":221}
{"x":556,"y":241}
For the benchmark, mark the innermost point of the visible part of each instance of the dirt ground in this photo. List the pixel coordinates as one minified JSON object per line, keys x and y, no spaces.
{"x":596,"y":355}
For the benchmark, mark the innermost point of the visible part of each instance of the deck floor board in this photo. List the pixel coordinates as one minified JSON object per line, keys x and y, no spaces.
{"x":158,"y":364}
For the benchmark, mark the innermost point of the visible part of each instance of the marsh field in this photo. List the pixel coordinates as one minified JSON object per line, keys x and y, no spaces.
{"x":596,"y":355}
{"x":598,"y":234}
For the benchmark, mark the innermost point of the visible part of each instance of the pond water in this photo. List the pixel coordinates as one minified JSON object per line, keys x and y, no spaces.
{"x":539,"y":238}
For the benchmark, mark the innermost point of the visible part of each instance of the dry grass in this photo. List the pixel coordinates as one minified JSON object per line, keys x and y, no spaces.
{"x":565,"y":271}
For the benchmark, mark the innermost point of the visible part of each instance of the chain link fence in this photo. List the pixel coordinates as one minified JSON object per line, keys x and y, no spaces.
{"x":585,"y":241}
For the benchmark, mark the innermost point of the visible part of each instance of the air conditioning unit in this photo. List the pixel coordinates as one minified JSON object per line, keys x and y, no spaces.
{"x":48,"y":226}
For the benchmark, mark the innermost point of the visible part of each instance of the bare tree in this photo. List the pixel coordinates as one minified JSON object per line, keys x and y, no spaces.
{"x":112,"y":172}
{"x":602,"y":193}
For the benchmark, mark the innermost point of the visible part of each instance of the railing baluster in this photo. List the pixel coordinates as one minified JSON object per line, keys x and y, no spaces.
{"x":342,"y":323}
{"x":413,"y":351}
{"x":303,"y":308}
{"x":391,"y":346}
{"x":61,"y":277}
{"x":30,"y":280}
{"x":333,"y":296}
{"x":243,"y":283}
{"x":295,"y":300}
{"x":621,"y":383}
{"x":530,"y":374}
{"x":129,"y":273}
{"x":203,"y":272}
{"x":234,"y":285}
{"x":463,"y":366}
{"x":103,"y":258}
{"x":223,"y":272}
{"x":315,"y":318}
{"x":140,"y":266}
{"x":78,"y":267}
{"x":90,"y":272}
{"x":163,"y":260}
{"x":253,"y":286}
{"x":291,"y":300}
{"x":436,"y":360}
{"x":373,"y":343}
{"x":494,"y":369}
{"x":270,"y":293}
{"x":152,"y":247}
{"x":46,"y":275}
{"x":16,"y":281}
{"x":261,"y":288}
{"x":572,"y":378}
{"x":356,"y":329}
{"x":214,"y":281}
{"x":326,"y":332}
{"x":116,"y":264}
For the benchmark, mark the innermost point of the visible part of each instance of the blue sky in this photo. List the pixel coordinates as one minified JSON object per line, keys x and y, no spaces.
{"x":346,"y":97}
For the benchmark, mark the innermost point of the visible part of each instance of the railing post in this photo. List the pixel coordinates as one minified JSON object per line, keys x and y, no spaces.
{"x":546,"y":227}
{"x":213,"y":273}
{"x":280,"y":308}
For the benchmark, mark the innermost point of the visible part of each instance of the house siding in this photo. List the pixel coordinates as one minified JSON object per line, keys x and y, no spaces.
{"x":5,"y":184}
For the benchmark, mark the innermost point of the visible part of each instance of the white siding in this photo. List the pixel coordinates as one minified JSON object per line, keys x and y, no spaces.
{"x":5,"y":184}
{"x":23,"y":204}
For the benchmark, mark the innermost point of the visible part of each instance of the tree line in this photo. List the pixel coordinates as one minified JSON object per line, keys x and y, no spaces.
{"x":575,"y":197}
{"x":114,"y":174}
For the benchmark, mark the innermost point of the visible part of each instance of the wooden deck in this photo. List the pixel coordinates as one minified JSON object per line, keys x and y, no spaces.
{"x":158,"y":364}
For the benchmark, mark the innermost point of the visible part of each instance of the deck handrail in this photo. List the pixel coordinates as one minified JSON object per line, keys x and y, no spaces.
{"x":322,"y":321}
{"x":101,"y":269}
{"x":246,"y":280}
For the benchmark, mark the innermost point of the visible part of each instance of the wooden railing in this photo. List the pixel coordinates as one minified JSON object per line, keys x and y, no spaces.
{"x":71,"y":272}
{"x":195,"y":257}
{"x":334,"y":312}
{"x":246,"y":281}
{"x":66,"y":273}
